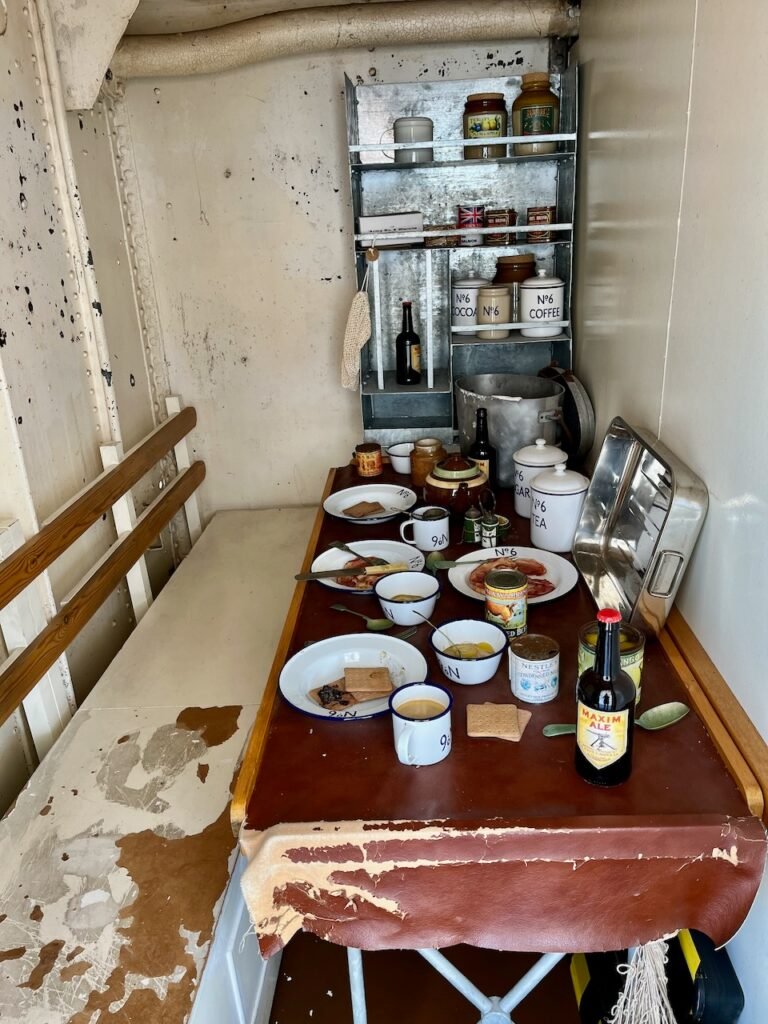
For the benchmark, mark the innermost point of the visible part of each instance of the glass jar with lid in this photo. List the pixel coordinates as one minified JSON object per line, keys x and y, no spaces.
{"x":536,"y":111}
{"x":485,"y":119}
{"x":426,"y":453}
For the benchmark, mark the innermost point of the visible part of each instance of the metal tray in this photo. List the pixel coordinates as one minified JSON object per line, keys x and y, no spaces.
{"x":638,"y":527}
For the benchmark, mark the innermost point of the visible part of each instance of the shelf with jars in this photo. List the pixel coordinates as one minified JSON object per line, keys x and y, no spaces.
{"x":485,"y":175}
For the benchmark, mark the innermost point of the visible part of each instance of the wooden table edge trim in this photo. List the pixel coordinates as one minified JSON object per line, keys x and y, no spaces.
{"x":714,"y":722}
{"x":739,"y":725}
{"x":249,"y":766}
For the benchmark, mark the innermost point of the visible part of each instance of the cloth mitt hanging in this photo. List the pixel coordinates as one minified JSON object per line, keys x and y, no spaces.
{"x":356,"y":333}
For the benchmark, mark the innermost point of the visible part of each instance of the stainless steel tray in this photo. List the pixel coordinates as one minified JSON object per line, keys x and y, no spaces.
{"x":641,"y":517}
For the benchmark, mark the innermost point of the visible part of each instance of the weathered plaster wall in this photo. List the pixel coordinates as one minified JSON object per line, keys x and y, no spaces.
{"x":54,"y":402}
{"x":245,"y":190}
{"x":672,"y":304}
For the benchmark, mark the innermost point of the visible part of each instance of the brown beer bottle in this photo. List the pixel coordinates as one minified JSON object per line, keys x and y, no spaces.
{"x":605,"y":710}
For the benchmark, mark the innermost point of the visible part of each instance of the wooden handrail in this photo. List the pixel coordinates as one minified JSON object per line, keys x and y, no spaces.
{"x":735,"y":719}
{"x":31,"y":663}
{"x":71,"y":522}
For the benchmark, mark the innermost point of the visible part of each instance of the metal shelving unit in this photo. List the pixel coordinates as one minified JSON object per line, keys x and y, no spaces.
{"x":423,"y":273}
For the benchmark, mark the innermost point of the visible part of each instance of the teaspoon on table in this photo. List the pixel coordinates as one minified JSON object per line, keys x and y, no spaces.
{"x":376,"y":625}
{"x":660,"y":717}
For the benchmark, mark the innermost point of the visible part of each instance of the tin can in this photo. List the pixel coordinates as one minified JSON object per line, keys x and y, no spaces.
{"x":499,"y":218}
{"x":368,"y":459}
{"x":631,"y":651}
{"x":534,"y":668}
{"x":471,"y":530}
{"x":541,"y":215}
{"x":489,"y":530}
{"x":470,"y":217}
{"x":506,"y":600}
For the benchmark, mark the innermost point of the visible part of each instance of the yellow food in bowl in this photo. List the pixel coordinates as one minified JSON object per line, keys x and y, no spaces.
{"x":469,"y":651}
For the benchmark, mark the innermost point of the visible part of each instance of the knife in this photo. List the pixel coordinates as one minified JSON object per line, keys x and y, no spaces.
{"x":368,"y":570}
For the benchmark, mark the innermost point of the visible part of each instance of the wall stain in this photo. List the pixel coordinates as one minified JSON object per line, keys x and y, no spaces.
{"x":12,"y":954}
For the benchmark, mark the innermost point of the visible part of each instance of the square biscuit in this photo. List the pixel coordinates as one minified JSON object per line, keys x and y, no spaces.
{"x":367,"y":680}
{"x":497,"y":721}
{"x":363,"y":508}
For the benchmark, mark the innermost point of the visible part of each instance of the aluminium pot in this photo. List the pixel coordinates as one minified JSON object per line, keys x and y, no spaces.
{"x":520,"y":409}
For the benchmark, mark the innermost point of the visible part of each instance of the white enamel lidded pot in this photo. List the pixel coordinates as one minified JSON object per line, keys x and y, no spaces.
{"x":529,"y":462}
{"x":541,"y":304}
{"x":557,"y":496}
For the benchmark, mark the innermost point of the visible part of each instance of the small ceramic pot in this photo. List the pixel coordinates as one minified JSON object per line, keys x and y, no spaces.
{"x":456,"y":484}
{"x":557,"y":496}
{"x":400,"y":456}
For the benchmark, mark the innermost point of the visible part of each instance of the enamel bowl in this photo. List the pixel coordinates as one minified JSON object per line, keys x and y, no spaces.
{"x":422,"y":585}
{"x":400,"y":456}
{"x":462,"y":631}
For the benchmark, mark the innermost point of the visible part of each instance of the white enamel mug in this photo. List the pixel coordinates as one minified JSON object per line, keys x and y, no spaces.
{"x":421,"y":722}
{"x":430,"y":530}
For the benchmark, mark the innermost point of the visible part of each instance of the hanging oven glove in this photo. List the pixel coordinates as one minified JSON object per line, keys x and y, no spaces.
{"x":357,"y":332}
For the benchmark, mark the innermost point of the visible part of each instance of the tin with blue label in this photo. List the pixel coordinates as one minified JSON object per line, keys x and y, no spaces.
{"x":534,"y":668}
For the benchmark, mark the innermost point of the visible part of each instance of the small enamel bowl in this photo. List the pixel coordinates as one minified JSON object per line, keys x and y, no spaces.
{"x":400,"y":456}
{"x":424,"y":589}
{"x":469,"y":672}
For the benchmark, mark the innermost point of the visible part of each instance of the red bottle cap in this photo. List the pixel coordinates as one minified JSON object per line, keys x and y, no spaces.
{"x":608,"y":615}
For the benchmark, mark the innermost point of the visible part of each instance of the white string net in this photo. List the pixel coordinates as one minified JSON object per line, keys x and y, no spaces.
{"x":356,"y":333}
{"x":644,"y":999}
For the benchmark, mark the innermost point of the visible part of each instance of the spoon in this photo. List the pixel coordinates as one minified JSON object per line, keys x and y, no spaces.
{"x":377,"y":625}
{"x":436,"y":628}
{"x":653,"y":719}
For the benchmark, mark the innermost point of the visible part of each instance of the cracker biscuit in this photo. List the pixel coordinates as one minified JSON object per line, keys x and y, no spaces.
{"x":498,"y":721}
{"x":363,"y":508}
{"x":367,"y":681}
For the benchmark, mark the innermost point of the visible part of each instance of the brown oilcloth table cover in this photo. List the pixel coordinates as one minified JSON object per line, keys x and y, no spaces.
{"x":501,"y":845}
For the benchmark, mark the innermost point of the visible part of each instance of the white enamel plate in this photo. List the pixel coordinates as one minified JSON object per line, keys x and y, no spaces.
{"x":559,"y":572}
{"x":394,"y":500}
{"x":390,"y":550}
{"x":325,"y":661}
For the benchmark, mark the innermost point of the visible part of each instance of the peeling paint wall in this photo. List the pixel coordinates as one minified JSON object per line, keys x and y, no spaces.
{"x":244,"y":186}
{"x":51,"y":405}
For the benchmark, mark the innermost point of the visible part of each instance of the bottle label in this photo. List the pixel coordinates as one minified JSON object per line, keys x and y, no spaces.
{"x":484,"y":126}
{"x":416,"y":358}
{"x":538,"y":120}
{"x":601,"y":736}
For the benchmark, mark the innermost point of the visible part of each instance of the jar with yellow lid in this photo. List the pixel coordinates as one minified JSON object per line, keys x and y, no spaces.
{"x":536,"y":111}
{"x":485,"y":119}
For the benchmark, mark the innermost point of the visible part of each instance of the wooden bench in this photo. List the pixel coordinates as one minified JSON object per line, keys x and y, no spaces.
{"x":116,"y":857}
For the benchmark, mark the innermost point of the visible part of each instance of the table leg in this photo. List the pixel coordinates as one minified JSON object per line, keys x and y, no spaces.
{"x":529,"y":981}
{"x":493,"y":1009}
{"x":357,"y":985}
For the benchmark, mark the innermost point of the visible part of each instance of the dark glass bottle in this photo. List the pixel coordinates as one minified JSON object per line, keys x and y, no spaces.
{"x":481,"y":450}
{"x":407,"y":351}
{"x":605,"y":710}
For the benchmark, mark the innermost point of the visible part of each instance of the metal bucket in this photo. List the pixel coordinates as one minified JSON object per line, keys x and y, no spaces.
{"x":520,"y":409}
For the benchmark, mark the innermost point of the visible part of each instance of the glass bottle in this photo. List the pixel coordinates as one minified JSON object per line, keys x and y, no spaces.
{"x":481,"y":451}
{"x":407,"y":351}
{"x":605,"y":710}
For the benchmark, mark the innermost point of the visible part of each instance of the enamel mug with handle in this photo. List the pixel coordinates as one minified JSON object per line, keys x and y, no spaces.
{"x":557,"y":496}
{"x":429,"y":526}
{"x":421,"y":723}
